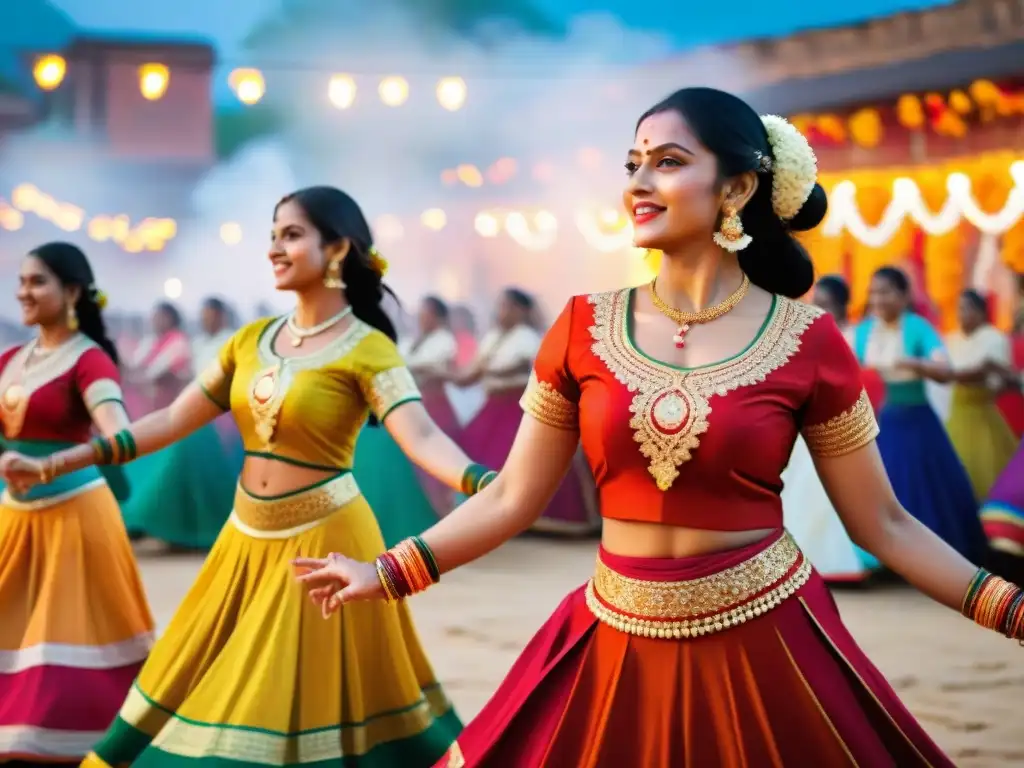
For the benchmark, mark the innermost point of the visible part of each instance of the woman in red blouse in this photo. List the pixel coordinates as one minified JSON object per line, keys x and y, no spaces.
{"x":70,"y":642}
{"x":705,"y":638}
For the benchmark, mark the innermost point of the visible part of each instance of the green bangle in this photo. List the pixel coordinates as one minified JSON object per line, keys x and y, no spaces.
{"x":486,"y":480}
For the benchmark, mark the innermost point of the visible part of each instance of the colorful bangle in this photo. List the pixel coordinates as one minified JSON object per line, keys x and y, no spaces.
{"x":407,"y":569}
{"x":476,"y":478}
{"x":995,"y":604}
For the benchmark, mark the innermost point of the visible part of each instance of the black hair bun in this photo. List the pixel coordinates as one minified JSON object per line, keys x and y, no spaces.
{"x":813,"y":211}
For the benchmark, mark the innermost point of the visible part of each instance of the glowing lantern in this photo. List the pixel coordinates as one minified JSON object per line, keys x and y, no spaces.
{"x":153,"y":81}
{"x":469,"y":175}
{"x":49,"y":71}
{"x":487,"y":224}
{"x":173,"y":288}
{"x":434,"y":219}
{"x":451,"y":93}
{"x":230,"y":233}
{"x":341,"y":91}
{"x":866,"y":128}
{"x":960,"y":102}
{"x":393,"y":91}
{"x":248,"y":85}
{"x":909,"y":112}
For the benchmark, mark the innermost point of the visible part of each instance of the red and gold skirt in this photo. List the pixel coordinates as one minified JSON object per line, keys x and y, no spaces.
{"x":730,"y":659}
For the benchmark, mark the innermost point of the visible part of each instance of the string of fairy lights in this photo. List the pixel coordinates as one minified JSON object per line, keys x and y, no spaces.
{"x":250,"y":85}
{"x":603,"y":229}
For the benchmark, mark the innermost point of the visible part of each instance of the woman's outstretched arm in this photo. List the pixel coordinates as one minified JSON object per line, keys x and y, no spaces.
{"x":539,"y":459}
{"x":191,"y":410}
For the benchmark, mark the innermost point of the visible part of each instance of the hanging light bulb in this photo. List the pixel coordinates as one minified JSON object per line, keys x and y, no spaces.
{"x":451,"y":93}
{"x":341,"y":90}
{"x":248,"y":85}
{"x":393,"y":91}
{"x":49,"y":71}
{"x":153,"y":81}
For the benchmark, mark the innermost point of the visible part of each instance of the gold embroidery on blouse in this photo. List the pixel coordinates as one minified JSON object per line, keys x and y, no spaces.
{"x":26,"y":372}
{"x":266,"y":396}
{"x":845,"y":433}
{"x":546,"y":404}
{"x":671,"y":405}
{"x":681,"y":609}
{"x":102,"y":391}
{"x":269,"y":386}
{"x":391,"y":388}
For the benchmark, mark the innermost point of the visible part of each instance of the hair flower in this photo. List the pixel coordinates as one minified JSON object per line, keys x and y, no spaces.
{"x":378,"y":263}
{"x":99,"y":297}
{"x":794,"y":165}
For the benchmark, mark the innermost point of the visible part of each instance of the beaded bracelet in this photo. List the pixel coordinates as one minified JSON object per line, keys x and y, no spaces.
{"x":476,"y":478}
{"x":119,"y":450}
{"x":995,"y":604}
{"x":406,"y":569}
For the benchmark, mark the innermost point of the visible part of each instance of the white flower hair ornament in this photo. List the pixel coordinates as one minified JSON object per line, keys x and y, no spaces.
{"x":794,"y":164}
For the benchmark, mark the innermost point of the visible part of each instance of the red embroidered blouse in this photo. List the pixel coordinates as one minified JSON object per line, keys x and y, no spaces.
{"x":698,"y":447}
{"x":52,"y":398}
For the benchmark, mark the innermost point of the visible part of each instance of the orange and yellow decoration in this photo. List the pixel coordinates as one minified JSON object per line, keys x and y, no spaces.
{"x":945,"y":114}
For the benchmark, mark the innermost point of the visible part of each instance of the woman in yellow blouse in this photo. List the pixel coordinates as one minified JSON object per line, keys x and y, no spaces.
{"x":248,"y":671}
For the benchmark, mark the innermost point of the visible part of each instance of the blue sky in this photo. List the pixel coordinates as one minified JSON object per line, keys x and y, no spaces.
{"x":227,"y":21}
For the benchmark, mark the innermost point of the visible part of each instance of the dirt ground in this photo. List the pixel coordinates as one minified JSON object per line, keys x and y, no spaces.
{"x":966,"y":685}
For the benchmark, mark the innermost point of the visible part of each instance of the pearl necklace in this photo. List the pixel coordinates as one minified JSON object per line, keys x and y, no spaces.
{"x":299,"y":335}
{"x":684,"y":320}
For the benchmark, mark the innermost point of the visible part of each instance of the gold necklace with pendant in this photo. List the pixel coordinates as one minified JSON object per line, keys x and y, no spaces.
{"x":684,"y":320}
{"x":299,"y":335}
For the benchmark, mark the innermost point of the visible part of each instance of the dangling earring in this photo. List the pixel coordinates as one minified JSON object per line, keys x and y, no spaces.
{"x":333,"y":277}
{"x":730,"y":235}
{"x":72,"y":318}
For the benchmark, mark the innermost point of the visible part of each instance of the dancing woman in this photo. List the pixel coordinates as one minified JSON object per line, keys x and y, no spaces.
{"x":704,"y":638}
{"x":74,"y":623}
{"x":431,"y":360}
{"x":503,"y":366}
{"x":926,"y":474}
{"x":398,"y":493}
{"x":808,"y":512}
{"x":979,"y":433}
{"x":247,"y":672}
{"x":181,"y":494}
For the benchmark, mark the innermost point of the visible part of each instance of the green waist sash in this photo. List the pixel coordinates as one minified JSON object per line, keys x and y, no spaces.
{"x":72,"y":481}
{"x":905,"y":393}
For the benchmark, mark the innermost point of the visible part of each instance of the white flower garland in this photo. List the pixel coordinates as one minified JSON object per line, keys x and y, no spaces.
{"x":794,"y":165}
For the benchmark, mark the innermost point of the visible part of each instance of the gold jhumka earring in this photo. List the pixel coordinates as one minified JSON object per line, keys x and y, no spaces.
{"x":730,"y":235}
{"x":333,"y":277}
{"x":72,"y":318}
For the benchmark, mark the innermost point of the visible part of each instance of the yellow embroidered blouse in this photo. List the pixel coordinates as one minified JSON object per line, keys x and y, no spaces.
{"x":308,"y":409}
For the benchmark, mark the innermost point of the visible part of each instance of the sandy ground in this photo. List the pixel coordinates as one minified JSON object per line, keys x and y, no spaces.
{"x":965,"y":684}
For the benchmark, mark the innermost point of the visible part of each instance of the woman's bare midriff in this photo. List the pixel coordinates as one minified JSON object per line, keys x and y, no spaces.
{"x":269,"y":477}
{"x":633,"y":539}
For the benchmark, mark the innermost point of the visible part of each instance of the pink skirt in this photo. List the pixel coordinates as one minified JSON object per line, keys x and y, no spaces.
{"x":730,"y":659}
{"x":488,"y":439}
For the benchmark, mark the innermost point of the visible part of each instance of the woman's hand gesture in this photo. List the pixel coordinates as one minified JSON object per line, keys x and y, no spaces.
{"x":20,"y":472}
{"x":336,"y":579}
